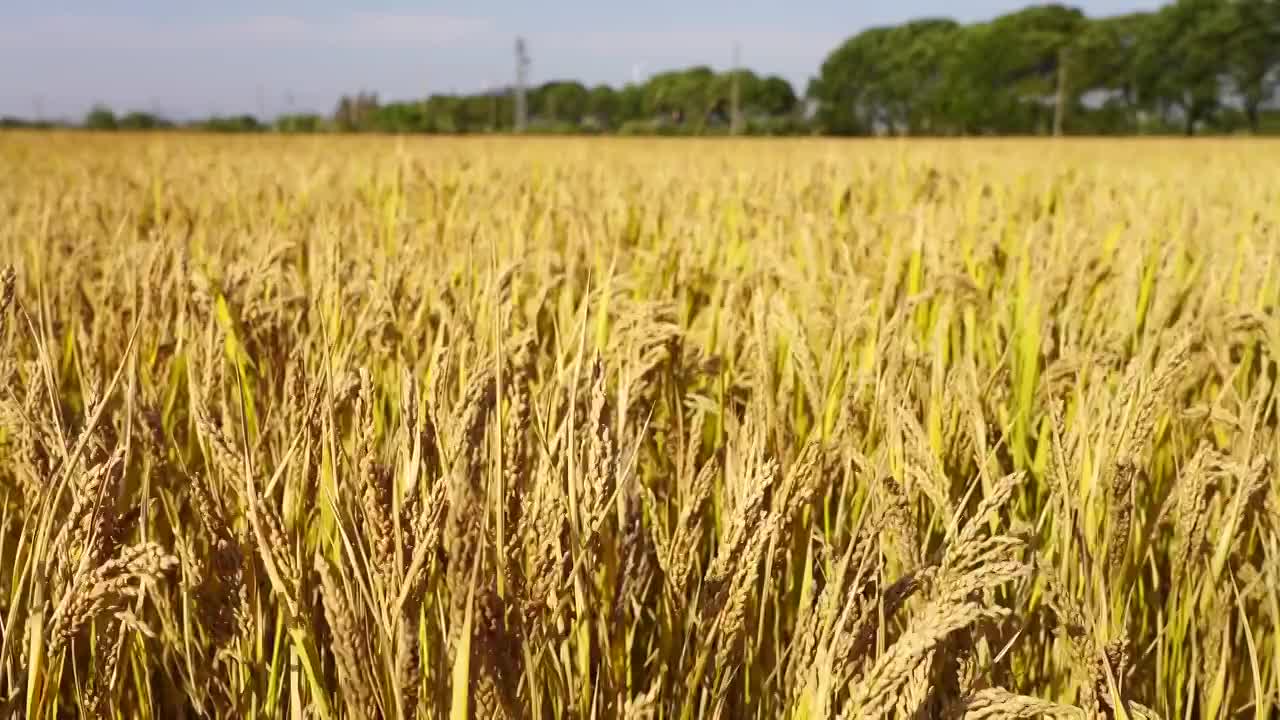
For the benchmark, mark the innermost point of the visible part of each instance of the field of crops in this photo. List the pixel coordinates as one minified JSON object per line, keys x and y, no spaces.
{"x":378,"y":428}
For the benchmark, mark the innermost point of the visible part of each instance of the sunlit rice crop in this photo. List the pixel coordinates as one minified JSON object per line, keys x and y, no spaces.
{"x":369,"y":427}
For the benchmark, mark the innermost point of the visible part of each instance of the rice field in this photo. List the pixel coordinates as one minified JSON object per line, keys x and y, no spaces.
{"x":423,"y":428}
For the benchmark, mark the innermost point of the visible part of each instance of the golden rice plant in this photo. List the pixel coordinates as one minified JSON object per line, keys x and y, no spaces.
{"x":381,"y":428}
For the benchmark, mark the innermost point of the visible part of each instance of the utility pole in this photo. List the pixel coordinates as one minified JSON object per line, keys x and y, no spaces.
{"x":735,"y":101}
{"x":522,"y":78}
{"x":1060,"y":106}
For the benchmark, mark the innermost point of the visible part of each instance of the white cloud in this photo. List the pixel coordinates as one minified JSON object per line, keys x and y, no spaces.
{"x":351,"y":31}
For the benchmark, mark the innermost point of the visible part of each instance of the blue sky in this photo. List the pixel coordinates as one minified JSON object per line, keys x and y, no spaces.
{"x":60,"y":56}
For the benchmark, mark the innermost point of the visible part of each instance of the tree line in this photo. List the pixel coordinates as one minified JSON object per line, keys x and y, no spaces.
{"x":1191,"y":66}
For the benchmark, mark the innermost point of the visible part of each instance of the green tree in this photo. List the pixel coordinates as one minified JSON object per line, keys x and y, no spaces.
{"x":142,"y":121}
{"x":684,"y":97}
{"x":232,"y":124}
{"x":299,"y":123}
{"x":1253,"y":53}
{"x":1103,"y":70}
{"x":475,"y":113}
{"x":848,"y":86}
{"x":561,"y":101}
{"x":1181,"y":62}
{"x":100,"y":118}
{"x":604,"y":106}
{"x":758,"y":95}
{"x":887,"y":79}
{"x":355,"y":112}
{"x":631,"y":104}
{"x":1002,"y":76}
{"x":401,"y":117}
{"x":453,"y":114}
{"x":915,"y":74}
{"x":773,"y":95}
